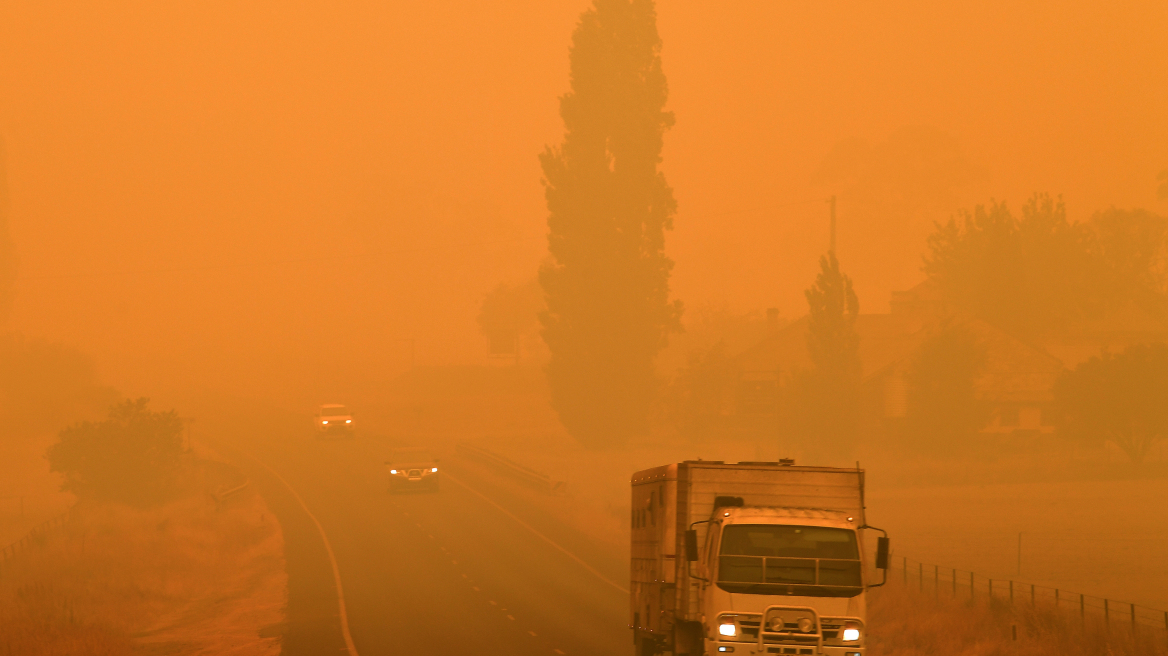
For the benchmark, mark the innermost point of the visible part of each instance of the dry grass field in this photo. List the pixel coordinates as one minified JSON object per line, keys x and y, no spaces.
{"x":190,"y":577}
{"x":907,"y":623}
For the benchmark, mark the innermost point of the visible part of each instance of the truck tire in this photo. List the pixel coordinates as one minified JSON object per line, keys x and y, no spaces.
{"x":687,"y":639}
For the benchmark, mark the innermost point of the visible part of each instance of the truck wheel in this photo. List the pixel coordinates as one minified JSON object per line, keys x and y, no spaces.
{"x":645,"y":647}
{"x":687,"y":639}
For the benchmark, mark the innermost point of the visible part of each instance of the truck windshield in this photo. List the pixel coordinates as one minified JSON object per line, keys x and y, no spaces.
{"x":334,"y":411}
{"x":811,"y":561}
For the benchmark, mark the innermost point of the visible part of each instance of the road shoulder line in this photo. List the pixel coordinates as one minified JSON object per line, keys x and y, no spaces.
{"x":349,"y":646}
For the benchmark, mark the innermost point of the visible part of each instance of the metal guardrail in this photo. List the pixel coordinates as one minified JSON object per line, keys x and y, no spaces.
{"x":512,"y":469}
{"x":953,"y":582}
{"x":224,"y":492}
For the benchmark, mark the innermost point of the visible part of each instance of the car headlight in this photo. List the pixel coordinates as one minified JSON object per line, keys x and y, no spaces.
{"x":434,"y":470}
{"x":393,"y":471}
{"x":325,"y":421}
{"x":728,"y":629}
{"x":851,"y":632}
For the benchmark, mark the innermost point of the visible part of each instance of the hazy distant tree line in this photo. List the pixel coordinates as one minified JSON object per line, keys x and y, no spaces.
{"x":607,"y":285}
{"x":1039,"y":272}
{"x":608,"y":310}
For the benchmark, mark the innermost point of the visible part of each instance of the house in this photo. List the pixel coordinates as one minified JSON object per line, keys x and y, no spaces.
{"x":1016,"y":383}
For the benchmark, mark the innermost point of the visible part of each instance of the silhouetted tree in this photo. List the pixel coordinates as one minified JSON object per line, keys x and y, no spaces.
{"x":607,"y":285}
{"x":1132,"y":246}
{"x":943,"y":410}
{"x":7,"y":250}
{"x":1026,"y":275}
{"x":826,"y":403}
{"x":510,"y":312}
{"x":131,"y":457}
{"x":698,"y":392}
{"x":1118,"y":399}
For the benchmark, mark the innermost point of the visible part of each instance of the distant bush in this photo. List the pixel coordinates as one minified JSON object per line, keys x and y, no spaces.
{"x":132,"y":457}
{"x":1122,"y":399}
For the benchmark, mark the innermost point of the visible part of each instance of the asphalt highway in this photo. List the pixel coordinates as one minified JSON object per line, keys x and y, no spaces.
{"x":472,"y":569}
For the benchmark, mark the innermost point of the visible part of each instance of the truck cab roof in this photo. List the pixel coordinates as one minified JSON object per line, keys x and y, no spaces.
{"x":768,"y":515}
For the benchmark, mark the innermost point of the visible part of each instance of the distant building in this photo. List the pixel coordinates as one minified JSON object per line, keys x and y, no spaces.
{"x":1016,"y":383}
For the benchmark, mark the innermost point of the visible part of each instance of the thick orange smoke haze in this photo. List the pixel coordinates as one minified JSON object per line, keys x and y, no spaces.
{"x":272,"y":195}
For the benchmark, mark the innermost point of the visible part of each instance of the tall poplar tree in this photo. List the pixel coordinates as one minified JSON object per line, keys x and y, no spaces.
{"x":607,"y":284}
{"x":7,"y":250}
{"x":826,"y":399}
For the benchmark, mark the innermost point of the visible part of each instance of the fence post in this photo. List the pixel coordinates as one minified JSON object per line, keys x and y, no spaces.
{"x":971,"y":585}
{"x":1106,"y":613}
{"x":1032,"y":599}
{"x":1133,"y":610}
{"x":1082,"y":607}
{"x":991,"y":589}
{"x":1056,"y":597}
{"x":1011,"y":593}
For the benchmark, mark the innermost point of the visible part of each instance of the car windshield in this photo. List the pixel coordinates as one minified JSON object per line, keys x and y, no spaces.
{"x":334,"y":411}
{"x":412,"y":457}
{"x":802,"y":560}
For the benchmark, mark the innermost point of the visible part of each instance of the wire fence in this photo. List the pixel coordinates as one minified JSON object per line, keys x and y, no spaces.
{"x":933,"y":579}
{"x":36,"y":537}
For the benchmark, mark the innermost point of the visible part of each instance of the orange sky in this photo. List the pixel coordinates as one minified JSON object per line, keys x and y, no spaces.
{"x":276,"y":193}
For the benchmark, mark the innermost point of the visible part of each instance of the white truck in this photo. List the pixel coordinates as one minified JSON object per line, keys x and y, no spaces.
{"x":750,"y":558}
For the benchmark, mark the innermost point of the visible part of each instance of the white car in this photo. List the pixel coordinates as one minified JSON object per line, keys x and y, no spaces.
{"x":334,"y":419}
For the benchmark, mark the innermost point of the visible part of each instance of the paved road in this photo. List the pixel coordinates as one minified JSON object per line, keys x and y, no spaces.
{"x":446,"y":573}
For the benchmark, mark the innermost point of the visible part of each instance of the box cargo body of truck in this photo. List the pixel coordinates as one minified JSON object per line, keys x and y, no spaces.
{"x":749,"y":558}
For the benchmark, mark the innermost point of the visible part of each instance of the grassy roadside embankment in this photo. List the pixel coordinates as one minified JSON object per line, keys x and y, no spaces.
{"x":192,"y":576}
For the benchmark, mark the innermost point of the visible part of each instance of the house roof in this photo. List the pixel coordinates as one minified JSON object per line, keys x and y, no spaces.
{"x":884,"y":340}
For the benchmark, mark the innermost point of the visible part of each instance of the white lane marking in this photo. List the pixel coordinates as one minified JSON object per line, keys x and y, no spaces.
{"x":510,"y":617}
{"x":349,"y":646}
{"x":540,"y":535}
{"x":558,"y":651}
{"x":476,"y":588}
{"x":531,"y":633}
{"x":493,"y":603}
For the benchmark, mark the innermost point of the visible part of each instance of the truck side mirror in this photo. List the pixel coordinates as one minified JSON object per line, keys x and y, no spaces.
{"x":691,"y":545}
{"x":881,"y":553}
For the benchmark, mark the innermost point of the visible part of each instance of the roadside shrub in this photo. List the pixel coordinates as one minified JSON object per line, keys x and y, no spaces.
{"x":132,"y":457}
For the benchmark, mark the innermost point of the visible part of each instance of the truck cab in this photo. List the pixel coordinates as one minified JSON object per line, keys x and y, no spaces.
{"x":791,"y":579}
{"x":751,"y":559}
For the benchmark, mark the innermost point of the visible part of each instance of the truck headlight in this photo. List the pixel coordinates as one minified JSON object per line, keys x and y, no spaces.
{"x":324,"y":422}
{"x":393,"y":471}
{"x":728,"y":629}
{"x":851,"y":632}
{"x":434,"y":470}
{"x":348,"y":421}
